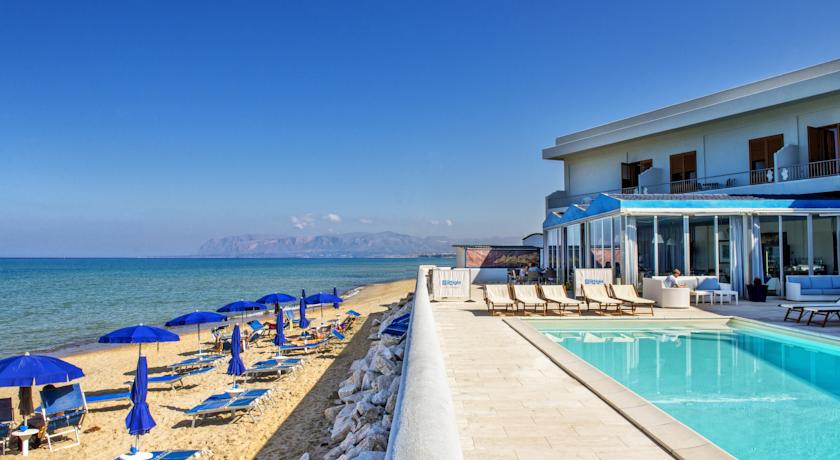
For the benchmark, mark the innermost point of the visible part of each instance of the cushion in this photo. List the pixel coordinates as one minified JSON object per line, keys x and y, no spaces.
{"x":821,"y":282}
{"x":804,"y":282}
{"x":835,"y":282}
{"x":831,"y":291}
{"x":811,"y":291}
{"x":709,"y":284}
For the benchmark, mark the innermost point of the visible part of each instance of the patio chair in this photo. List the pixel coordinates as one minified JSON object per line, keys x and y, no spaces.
{"x":557,"y":294}
{"x":627,"y":294}
{"x":63,"y":409}
{"x":597,"y":293}
{"x":7,"y":423}
{"x":526,"y":294}
{"x":533,"y":277}
{"x":498,"y":294}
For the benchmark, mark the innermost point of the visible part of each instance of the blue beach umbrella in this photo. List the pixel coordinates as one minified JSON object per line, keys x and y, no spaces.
{"x":335,"y":294}
{"x":139,"y":334}
{"x":322,"y":299}
{"x":280,"y":336}
{"x":198,"y":318}
{"x":235,"y":365}
{"x":26,"y":371}
{"x":276,"y":298}
{"x":303,"y":322}
{"x":139,"y":420}
{"x":241,"y":306}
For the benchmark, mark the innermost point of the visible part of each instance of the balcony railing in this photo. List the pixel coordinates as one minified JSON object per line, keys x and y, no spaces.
{"x":711,"y":183}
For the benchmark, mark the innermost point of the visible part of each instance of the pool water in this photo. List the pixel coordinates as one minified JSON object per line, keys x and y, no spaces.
{"x":755,"y":391}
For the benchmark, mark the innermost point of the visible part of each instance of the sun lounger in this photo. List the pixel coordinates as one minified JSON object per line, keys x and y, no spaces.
{"x":178,"y":379}
{"x":268,"y":368}
{"x":63,"y":410}
{"x":173,"y":455}
{"x":526,"y":294}
{"x":824,"y":311}
{"x":199,"y":361}
{"x":107,"y":397}
{"x":498,"y":294}
{"x":597,"y":293}
{"x":800,"y":307}
{"x":225,"y":403}
{"x":257,"y":330}
{"x":627,"y":294}
{"x":7,"y":422}
{"x":557,"y":294}
{"x":304,"y":347}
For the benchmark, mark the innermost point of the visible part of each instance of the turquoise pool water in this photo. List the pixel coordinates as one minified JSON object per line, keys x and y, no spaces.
{"x":757,"y":392}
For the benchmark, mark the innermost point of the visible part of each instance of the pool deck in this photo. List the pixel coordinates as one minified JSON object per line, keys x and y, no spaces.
{"x":512,"y":402}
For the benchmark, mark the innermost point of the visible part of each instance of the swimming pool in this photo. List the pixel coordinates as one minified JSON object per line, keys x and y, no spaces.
{"x":756,"y":391}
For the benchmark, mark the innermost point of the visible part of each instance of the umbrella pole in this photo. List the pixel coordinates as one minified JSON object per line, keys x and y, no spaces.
{"x":198,"y":334}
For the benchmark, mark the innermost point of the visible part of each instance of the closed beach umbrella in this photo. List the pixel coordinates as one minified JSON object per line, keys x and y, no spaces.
{"x":198,"y":318}
{"x":280,"y":336}
{"x":276,"y":298}
{"x":27,"y":370}
{"x":241,"y":306}
{"x":303,"y":322}
{"x":235,"y":365}
{"x":139,"y":334}
{"x":139,"y":420}
{"x":335,"y":294}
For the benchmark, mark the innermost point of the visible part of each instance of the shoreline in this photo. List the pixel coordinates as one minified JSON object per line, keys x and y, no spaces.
{"x":82,"y":347}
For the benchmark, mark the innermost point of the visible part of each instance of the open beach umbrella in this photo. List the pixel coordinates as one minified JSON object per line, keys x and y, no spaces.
{"x":139,"y":334}
{"x":276,"y":298}
{"x":26,"y":371}
{"x":198,"y":318}
{"x":139,"y":420}
{"x":235,"y":365}
{"x":280,"y":336}
{"x":302,"y":321}
{"x":241,"y":306}
{"x":322,"y":299}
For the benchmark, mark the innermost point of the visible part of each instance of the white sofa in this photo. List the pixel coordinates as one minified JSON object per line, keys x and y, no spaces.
{"x":655,"y":290}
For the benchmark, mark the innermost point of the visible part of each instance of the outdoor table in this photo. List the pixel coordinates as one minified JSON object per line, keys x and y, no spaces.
{"x":703,"y":295}
{"x":24,"y":439}
{"x":726,"y":293}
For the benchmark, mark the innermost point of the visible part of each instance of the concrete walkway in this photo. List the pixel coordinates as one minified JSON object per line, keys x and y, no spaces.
{"x":512,"y":402}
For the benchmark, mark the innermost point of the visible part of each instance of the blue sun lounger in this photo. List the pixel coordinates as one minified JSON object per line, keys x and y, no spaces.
{"x":174,"y":455}
{"x":200,"y":361}
{"x":257,"y":330}
{"x":269,"y":367}
{"x":175,"y":379}
{"x":63,"y":410}
{"x":107,"y":397}
{"x":226,"y":403}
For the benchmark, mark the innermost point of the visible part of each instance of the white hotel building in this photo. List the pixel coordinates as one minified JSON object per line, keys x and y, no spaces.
{"x":743,"y":183}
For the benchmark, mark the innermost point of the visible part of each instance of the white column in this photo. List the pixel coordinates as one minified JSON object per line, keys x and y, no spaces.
{"x":717,"y":249}
{"x":810,"y":229}
{"x":655,"y":245}
{"x":686,"y":247}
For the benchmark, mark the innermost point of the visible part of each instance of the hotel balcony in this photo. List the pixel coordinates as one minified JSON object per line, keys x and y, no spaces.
{"x":813,"y":177}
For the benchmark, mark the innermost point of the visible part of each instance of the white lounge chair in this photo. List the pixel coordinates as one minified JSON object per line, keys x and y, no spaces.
{"x":627,"y":294}
{"x":597,"y":293}
{"x":498,"y":294}
{"x":557,"y":294}
{"x":526,"y":294}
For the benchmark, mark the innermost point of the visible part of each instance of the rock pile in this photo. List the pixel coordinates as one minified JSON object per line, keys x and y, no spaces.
{"x":361,"y":418}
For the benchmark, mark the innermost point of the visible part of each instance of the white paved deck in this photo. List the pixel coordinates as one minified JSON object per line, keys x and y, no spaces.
{"x":512,"y":402}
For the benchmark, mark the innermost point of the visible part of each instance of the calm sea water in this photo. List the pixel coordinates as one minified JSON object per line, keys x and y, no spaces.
{"x":48,"y":304}
{"x":754,"y":392}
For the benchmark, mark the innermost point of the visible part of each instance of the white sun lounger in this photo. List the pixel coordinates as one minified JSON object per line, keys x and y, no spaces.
{"x":557,"y":294}
{"x":627,"y":294}
{"x":800,"y":307}
{"x":597,"y":293}
{"x":498,"y":294}
{"x":526,"y":294}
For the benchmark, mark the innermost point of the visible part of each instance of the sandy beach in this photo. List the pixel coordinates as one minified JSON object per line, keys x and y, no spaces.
{"x":292,"y":424}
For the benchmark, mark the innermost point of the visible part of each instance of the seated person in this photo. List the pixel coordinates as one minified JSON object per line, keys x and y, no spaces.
{"x":671,"y":280}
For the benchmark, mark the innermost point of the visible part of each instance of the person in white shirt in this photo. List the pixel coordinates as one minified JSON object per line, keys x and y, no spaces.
{"x":671,"y":280}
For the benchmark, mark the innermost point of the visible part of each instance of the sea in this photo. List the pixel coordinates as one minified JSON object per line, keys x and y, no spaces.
{"x":63,"y":305}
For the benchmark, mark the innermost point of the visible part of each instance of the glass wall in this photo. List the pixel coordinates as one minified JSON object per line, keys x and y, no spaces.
{"x":795,"y":245}
{"x":724,"y":262}
{"x":701,"y":235}
{"x":596,"y":244}
{"x":616,"y":252}
{"x":768,"y":247}
{"x":825,"y":245}
{"x":573,"y":249}
{"x":645,"y":246}
{"x":670,"y":248}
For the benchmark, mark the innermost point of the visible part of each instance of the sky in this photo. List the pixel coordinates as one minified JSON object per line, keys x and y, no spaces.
{"x":144,"y":128}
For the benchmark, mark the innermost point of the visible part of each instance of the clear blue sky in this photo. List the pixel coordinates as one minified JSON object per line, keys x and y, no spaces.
{"x":144,"y":128}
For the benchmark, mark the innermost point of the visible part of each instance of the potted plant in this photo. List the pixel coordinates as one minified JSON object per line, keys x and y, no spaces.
{"x":757,"y":292}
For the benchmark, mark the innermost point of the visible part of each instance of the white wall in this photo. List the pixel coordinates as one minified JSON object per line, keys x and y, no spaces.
{"x":722,"y":146}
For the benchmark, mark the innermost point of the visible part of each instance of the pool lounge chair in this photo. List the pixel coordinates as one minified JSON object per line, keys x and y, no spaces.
{"x":800,"y":307}
{"x":178,"y":379}
{"x":557,"y":294}
{"x":597,"y":293}
{"x":526,"y":294}
{"x":498,"y":294}
{"x":63,"y":410}
{"x":173,"y":455}
{"x":627,"y":294}
{"x":7,"y":423}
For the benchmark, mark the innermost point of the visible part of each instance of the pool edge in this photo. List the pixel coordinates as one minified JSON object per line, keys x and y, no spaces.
{"x":670,"y":434}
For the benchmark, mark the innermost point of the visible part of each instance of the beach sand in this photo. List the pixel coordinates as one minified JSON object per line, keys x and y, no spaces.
{"x":293,"y":423}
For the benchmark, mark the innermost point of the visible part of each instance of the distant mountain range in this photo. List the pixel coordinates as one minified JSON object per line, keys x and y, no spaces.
{"x":381,"y":244}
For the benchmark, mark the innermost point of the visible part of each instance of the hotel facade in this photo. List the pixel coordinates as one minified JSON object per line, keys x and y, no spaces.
{"x":741,"y":184}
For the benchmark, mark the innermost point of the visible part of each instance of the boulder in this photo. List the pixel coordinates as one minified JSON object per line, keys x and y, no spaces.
{"x":368,"y":412}
{"x":391,"y":340}
{"x":380,"y":397}
{"x":346,"y":391}
{"x":305,"y":456}
{"x":342,"y":426}
{"x":382,"y":382}
{"x":348,"y":442}
{"x":391,"y":404}
{"x":359,"y":364}
{"x":382,"y":365}
{"x":334,"y":453}
{"x":368,"y":380}
{"x":332,"y":412}
{"x":369,"y":455}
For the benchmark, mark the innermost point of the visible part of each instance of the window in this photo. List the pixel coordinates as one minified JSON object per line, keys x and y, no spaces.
{"x":825,"y":245}
{"x":684,"y":172}
{"x":646,"y":246}
{"x":795,"y":245}
{"x":701,"y":231}
{"x":630,"y":172}
{"x":823,"y":144}
{"x":670,"y":244}
{"x":761,"y":157}
{"x":724,"y":262}
{"x":770,"y":256}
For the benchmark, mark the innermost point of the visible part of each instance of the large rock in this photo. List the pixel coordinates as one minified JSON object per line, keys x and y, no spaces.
{"x":383,"y":366}
{"x":383,"y":382}
{"x":391,"y":404}
{"x":332,"y":412}
{"x":334,"y":453}
{"x":345,"y":392}
{"x":359,"y":364}
{"x":368,"y":380}
{"x":342,"y":427}
{"x":380,"y":397}
{"x":391,"y":340}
